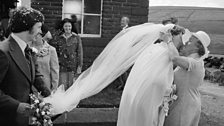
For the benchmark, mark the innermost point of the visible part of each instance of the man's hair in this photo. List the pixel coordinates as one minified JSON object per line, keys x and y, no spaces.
{"x":23,"y":19}
{"x":172,"y":20}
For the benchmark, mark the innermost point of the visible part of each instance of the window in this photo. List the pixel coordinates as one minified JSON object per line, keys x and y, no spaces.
{"x":26,"y":3}
{"x":88,"y":14}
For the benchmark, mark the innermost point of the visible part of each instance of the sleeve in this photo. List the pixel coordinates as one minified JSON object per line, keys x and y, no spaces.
{"x":39,"y":82}
{"x":192,"y":64}
{"x":54,"y":67}
{"x":7,"y":103}
{"x":80,"y":53}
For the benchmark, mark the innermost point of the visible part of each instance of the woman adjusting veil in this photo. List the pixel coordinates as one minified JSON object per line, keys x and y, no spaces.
{"x":132,"y":45}
{"x":150,"y":78}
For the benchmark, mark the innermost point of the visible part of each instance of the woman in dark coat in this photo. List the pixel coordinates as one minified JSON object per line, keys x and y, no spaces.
{"x":70,"y":53}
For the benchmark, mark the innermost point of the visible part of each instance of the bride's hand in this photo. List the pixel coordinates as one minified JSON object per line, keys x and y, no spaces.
{"x":172,"y":50}
{"x":165,"y":36}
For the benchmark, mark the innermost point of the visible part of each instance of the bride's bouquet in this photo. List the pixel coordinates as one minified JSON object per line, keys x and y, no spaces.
{"x":41,"y":112}
{"x":169,"y":98}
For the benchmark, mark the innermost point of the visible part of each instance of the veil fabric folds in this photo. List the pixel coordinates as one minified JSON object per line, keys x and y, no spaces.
{"x":120,"y":53}
{"x":150,"y":78}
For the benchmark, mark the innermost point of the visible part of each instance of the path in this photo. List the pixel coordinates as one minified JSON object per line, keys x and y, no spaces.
{"x":212,"y":111}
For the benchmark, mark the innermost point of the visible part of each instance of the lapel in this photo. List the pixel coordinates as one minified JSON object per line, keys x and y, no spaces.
{"x":19,"y":58}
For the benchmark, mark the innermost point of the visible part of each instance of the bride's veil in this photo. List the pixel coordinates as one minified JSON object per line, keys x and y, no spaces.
{"x":120,"y":53}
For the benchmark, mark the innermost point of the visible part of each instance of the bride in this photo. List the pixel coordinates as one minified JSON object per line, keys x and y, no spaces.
{"x":150,"y":78}
{"x":151,"y":75}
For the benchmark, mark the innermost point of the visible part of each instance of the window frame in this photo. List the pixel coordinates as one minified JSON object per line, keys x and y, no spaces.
{"x":26,"y":3}
{"x":82,"y":18}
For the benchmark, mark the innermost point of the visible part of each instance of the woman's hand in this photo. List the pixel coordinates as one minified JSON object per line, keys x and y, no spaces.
{"x":79,"y":70}
{"x":166,"y":36}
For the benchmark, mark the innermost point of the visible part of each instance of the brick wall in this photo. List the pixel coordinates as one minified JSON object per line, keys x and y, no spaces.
{"x":52,"y":10}
{"x":113,"y":10}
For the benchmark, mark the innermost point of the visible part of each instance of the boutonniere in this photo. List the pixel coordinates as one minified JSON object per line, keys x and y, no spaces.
{"x":34,"y":50}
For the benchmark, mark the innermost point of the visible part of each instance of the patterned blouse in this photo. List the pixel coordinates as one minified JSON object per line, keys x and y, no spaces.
{"x":70,"y":52}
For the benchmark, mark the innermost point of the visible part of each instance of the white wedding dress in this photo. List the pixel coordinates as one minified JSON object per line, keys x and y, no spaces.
{"x":149,"y":77}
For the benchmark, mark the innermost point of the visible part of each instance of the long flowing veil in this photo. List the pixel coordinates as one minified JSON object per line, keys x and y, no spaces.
{"x":120,"y":53}
{"x":150,"y":77}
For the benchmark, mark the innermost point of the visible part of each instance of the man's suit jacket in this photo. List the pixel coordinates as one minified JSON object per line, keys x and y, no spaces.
{"x":16,"y":81}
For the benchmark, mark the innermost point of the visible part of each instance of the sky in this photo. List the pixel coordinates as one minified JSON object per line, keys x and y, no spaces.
{"x":195,"y":3}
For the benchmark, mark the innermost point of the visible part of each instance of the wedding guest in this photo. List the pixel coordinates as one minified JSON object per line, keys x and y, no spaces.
{"x":75,"y":23}
{"x":70,"y":53}
{"x":55,"y":33}
{"x":5,"y":23}
{"x":47,"y":58}
{"x":18,"y":73}
{"x":48,"y":36}
{"x":2,"y":37}
{"x":124,"y":24}
{"x":188,"y":76}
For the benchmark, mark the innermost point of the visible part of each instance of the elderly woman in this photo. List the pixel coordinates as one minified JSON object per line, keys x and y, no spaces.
{"x":70,"y":53}
{"x":188,"y":76}
{"x":47,"y":58}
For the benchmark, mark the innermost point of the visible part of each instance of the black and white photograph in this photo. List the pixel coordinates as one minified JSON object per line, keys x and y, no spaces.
{"x":111,"y":62}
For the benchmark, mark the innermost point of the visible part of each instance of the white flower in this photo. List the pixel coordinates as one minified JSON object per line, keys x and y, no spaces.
{"x":34,"y":49}
{"x":48,"y":113}
{"x":45,"y":121}
{"x":34,"y":118}
{"x":174,"y":97}
{"x":36,"y":101}
{"x":42,"y":113}
{"x":32,"y":106}
{"x":41,"y":104}
{"x":37,"y":110}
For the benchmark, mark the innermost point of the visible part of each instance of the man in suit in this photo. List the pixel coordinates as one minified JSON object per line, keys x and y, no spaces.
{"x":18,"y":74}
{"x":124,"y":22}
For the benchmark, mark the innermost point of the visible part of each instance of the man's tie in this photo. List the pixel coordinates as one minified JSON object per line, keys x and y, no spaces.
{"x":28,"y":51}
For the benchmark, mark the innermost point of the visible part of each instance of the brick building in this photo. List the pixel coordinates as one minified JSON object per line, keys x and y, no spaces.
{"x":98,"y":22}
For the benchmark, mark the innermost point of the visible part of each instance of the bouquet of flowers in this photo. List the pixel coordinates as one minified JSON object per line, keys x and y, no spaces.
{"x":41,"y":112}
{"x":169,"y":98}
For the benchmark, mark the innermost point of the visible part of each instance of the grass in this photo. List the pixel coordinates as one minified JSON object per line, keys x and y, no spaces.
{"x":109,"y":97}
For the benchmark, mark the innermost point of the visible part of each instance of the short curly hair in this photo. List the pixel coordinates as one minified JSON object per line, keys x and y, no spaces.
{"x":23,"y":19}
